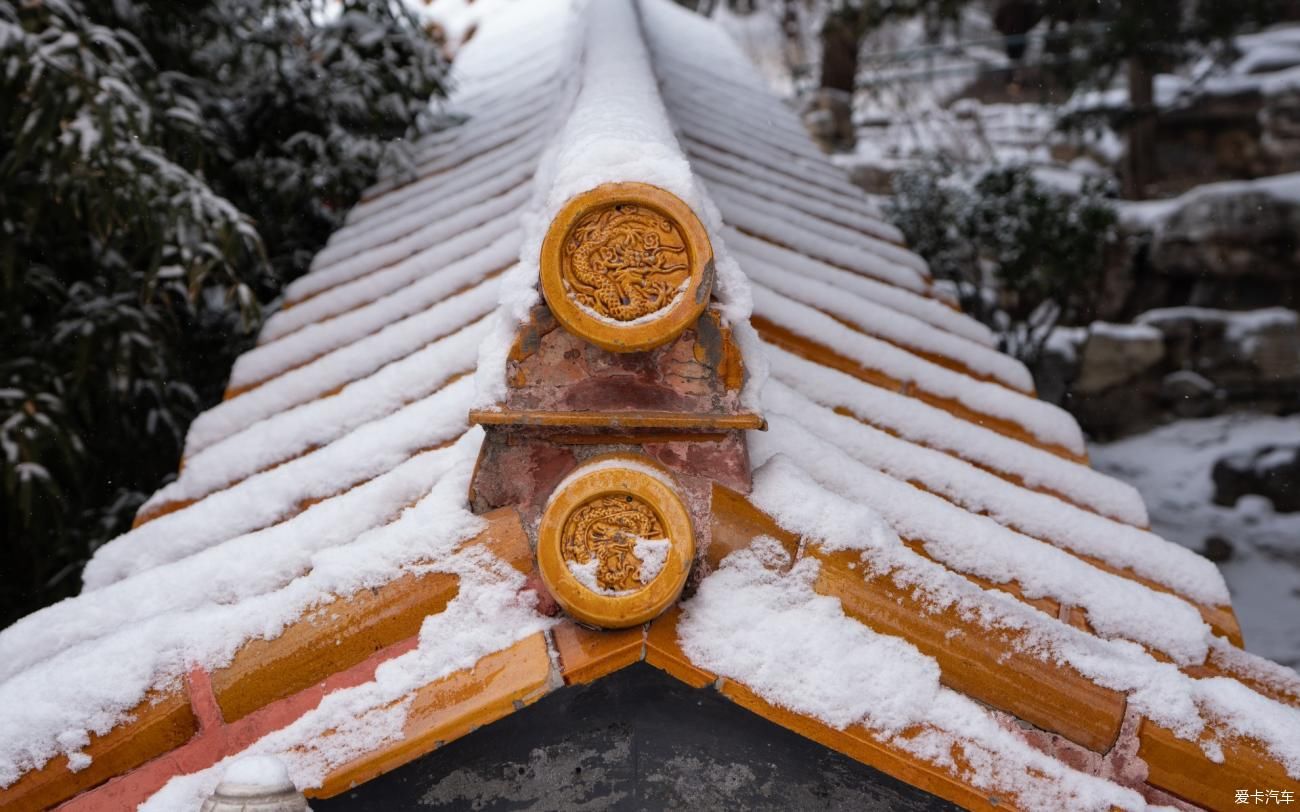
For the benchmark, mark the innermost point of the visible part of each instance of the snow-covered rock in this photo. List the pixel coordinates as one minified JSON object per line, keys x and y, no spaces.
{"x":1116,"y":353}
{"x":1239,"y":230}
{"x":1238,"y":349}
{"x":1271,"y":471}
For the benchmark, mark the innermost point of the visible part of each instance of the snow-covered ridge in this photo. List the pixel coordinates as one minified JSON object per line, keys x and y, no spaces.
{"x":616,"y":130}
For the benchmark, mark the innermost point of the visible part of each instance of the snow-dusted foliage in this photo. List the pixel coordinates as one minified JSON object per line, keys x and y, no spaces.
{"x":165,"y":169}
{"x":1022,"y":255}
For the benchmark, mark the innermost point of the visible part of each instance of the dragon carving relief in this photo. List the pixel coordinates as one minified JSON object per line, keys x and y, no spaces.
{"x":624,"y":262}
{"x":607,"y":529}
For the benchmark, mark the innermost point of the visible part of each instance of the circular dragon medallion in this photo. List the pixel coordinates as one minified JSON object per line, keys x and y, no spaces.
{"x":615,"y":542}
{"x":627,"y":266}
{"x":624,"y":262}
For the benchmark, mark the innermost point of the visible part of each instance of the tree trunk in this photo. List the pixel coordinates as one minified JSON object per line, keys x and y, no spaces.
{"x":1140,"y":158}
{"x":839,"y":53}
{"x":829,"y":114}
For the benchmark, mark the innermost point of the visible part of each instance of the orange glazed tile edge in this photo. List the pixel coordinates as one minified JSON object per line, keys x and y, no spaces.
{"x":987,"y":665}
{"x":1182,"y":768}
{"x":291,"y":677}
{"x":585,"y":655}
{"x":331,"y":638}
{"x":453,"y":706}
{"x":337,"y":635}
{"x":858,"y":744}
{"x":159,"y":724}
{"x":685,"y":421}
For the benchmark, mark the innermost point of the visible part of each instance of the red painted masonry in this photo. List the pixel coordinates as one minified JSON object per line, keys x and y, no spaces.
{"x":216,"y":739}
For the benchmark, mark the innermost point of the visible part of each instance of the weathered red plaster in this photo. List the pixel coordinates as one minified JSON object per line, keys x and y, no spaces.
{"x":216,"y":739}
{"x":1120,"y":764}
{"x":554,"y":370}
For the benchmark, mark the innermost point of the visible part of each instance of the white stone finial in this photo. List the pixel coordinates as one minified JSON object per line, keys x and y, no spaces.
{"x":256,"y":784}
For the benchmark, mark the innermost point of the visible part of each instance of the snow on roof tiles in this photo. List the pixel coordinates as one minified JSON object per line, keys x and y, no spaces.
{"x":921,"y":533}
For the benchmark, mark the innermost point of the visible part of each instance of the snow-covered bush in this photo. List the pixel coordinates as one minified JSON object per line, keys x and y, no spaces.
{"x":165,"y":168}
{"x":1021,"y":255}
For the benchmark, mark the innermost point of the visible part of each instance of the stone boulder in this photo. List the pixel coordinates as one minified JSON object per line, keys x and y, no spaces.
{"x":1272,"y":472}
{"x":1190,"y":394}
{"x":1233,"y":244}
{"x":1172,"y":362}
{"x":1280,"y":117}
{"x":1248,"y":353}
{"x":1116,"y":353}
{"x":1111,"y":393}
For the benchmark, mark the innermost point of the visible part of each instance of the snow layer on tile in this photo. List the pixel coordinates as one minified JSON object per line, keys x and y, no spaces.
{"x":1044,"y":421}
{"x":1035,"y":514}
{"x":301,"y":429}
{"x":524,"y":26}
{"x":752,"y":251}
{"x":720,"y":117}
{"x":695,"y":35}
{"x":416,"y":194}
{"x":747,"y":619}
{"x":934,"y":313}
{"x":480,"y":138}
{"x":977,"y":545}
{"x":533,"y":104}
{"x":265,"y":498}
{"x":367,"y":279}
{"x":820,"y":229}
{"x":935,"y":428}
{"x":703,"y":126}
{"x":1276,"y":677}
{"x":893,"y":326}
{"x":490,"y":179}
{"x":751,"y":623}
{"x":744,"y":106}
{"x":149,"y":630}
{"x":777,"y":193}
{"x":314,"y":340}
{"x":234,"y":571}
{"x":337,"y":369}
{"x":751,"y":166}
{"x":781,"y":227}
{"x":706,"y":125}
{"x":497,"y":87}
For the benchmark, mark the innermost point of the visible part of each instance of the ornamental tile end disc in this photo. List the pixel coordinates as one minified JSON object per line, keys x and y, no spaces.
{"x":626,"y":266}
{"x":615,"y":542}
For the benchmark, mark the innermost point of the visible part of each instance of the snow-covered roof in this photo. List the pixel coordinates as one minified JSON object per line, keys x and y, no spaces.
{"x":926,"y":574}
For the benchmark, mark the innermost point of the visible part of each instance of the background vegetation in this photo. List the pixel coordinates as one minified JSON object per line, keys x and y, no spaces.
{"x":166,"y":167}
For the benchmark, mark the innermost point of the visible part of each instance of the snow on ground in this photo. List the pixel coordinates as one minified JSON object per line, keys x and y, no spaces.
{"x":1171,"y":466}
